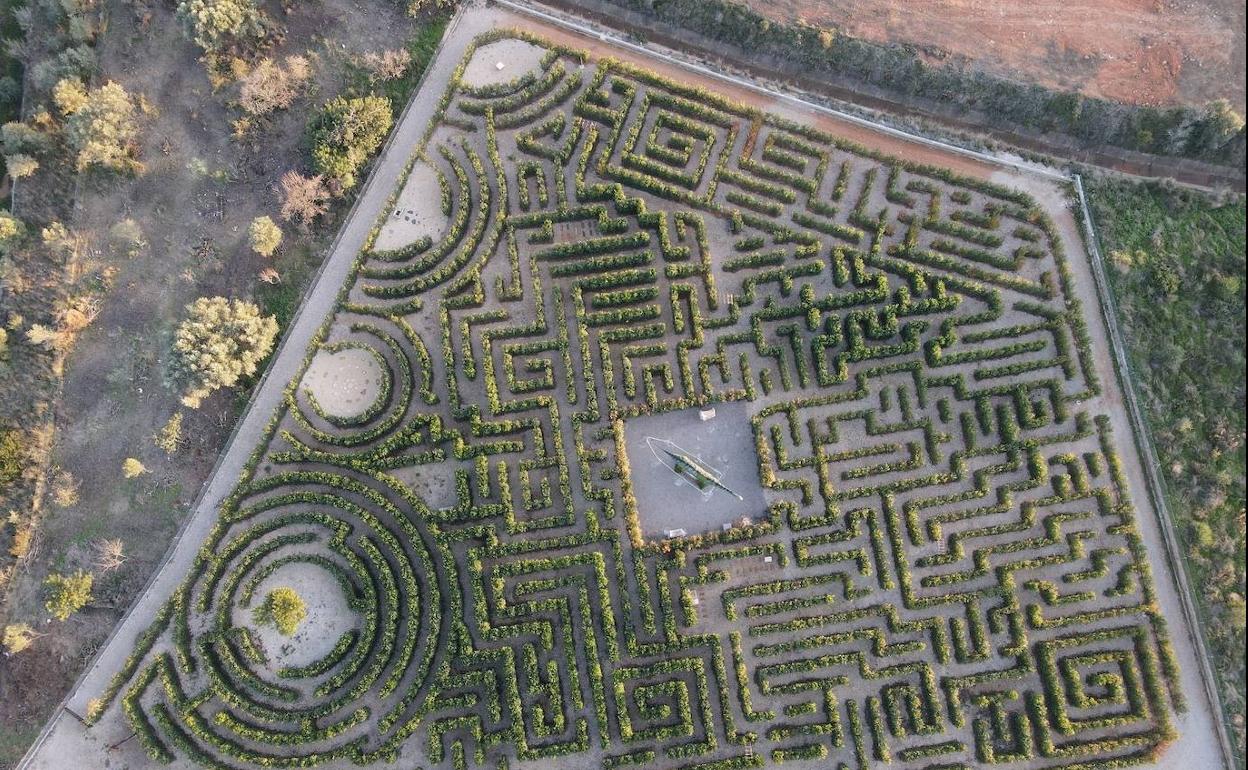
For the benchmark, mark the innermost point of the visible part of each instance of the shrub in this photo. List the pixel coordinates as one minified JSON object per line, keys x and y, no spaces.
{"x":68,"y":593}
{"x":284,"y":608}
{"x":170,"y":436}
{"x":65,"y":489}
{"x":386,"y":65}
{"x":11,"y":230}
{"x":219,"y":342}
{"x":108,"y":555}
{"x":126,"y":238}
{"x":264,"y":236}
{"x":346,"y":133}
{"x":23,"y":536}
{"x":416,"y":7}
{"x":18,"y":637}
{"x":132,"y":468}
{"x":12,"y":457}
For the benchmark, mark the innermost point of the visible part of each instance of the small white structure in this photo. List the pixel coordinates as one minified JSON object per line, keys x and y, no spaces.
{"x":499,"y":65}
{"x":676,"y":533}
{"x":707,"y":414}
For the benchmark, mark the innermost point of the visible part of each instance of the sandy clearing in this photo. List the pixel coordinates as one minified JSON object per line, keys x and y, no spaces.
{"x":417,"y":213}
{"x":329,"y":616}
{"x":345,"y":383}
{"x":516,"y":57}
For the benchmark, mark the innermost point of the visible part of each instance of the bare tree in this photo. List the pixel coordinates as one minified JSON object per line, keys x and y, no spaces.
{"x":108,"y":555}
{"x":386,"y":65}
{"x":304,"y":198}
{"x":273,"y":86}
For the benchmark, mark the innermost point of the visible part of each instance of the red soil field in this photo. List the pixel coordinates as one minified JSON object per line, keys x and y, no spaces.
{"x":1148,"y":52}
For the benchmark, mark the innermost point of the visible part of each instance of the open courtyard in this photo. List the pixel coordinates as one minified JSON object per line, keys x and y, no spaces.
{"x":933,"y":547}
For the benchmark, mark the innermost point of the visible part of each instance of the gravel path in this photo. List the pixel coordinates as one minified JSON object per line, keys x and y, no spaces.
{"x":502,"y":62}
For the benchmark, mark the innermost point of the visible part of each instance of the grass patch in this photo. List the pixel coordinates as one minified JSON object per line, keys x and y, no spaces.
{"x":14,"y":740}
{"x":1176,"y":270}
{"x":296,"y":265}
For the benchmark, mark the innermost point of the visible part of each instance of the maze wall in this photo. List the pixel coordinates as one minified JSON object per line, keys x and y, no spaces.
{"x":947,"y":572}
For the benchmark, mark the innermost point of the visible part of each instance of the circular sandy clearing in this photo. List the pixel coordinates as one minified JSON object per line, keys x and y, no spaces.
{"x":517,"y":57}
{"x":417,"y":213}
{"x":345,"y":383}
{"x":329,"y":616}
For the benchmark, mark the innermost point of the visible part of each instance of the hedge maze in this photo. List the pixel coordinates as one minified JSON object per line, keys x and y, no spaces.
{"x":946,"y":573}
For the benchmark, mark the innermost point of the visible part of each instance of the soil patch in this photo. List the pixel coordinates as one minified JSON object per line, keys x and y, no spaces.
{"x":344,"y":383}
{"x":502,"y":62}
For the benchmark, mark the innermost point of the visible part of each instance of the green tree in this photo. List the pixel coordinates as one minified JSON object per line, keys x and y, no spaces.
{"x":1217,"y":125}
{"x":214,"y":25}
{"x":68,"y":593}
{"x":21,"y":165}
{"x":345,"y":135}
{"x":101,"y":125}
{"x":220,"y":341}
{"x":17,"y":137}
{"x":284,"y":608}
{"x":264,"y":236}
